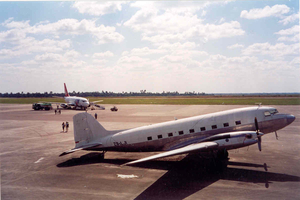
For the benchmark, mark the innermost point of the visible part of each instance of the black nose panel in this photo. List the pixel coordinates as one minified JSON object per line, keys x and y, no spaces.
{"x":290,"y":118}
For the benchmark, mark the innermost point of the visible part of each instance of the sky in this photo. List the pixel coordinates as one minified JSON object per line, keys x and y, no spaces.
{"x":128,"y":46}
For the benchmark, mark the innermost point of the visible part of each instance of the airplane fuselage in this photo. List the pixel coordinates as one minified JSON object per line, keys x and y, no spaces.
{"x":77,"y":101}
{"x":179,"y":133}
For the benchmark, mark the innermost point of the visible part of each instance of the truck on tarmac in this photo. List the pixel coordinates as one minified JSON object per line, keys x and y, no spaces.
{"x":42,"y":106}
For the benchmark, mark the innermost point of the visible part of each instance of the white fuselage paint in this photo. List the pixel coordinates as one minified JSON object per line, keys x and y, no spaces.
{"x":77,"y":101}
{"x":168,"y":135}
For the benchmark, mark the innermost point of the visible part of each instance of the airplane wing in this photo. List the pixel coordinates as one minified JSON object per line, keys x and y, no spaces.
{"x":97,"y":101}
{"x":80,"y":148}
{"x":186,"y":149}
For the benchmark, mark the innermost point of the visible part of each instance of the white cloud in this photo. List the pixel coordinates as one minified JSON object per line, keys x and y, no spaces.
{"x":13,"y":24}
{"x":98,"y":8}
{"x":178,"y":7}
{"x":290,"y":34}
{"x":289,"y":19}
{"x":145,"y":51}
{"x":104,"y":34}
{"x":257,"y":13}
{"x":132,"y":59}
{"x":7,"y":53}
{"x":290,"y":31}
{"x":30,"y":45}
{"x":178,"y":46}
{"x":199,"y":32}
{"x":221,"y":20}
{"x":163,"y":24}
{"x":99,"y":61}
{"x":276,"y":50}
{"x":235,"y":46}
{"x":103,"y":54}
{"x":49,"y":57}
{"x":19,"y":30}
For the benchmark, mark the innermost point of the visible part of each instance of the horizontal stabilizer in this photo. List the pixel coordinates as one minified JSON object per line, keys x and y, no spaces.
{"x":186,"y":149}
{"x":80,"y":148}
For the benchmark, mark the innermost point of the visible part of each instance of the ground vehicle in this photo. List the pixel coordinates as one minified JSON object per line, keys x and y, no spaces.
{"x":41,"y":106}
{"x":114,"y":108}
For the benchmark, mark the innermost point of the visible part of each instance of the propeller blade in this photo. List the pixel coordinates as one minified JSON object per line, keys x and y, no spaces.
{"x":259,"y":142}
{"x":276,"y":135}
{"x":256,"y":125}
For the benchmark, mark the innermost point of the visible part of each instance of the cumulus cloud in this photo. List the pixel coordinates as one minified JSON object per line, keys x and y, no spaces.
{"x":103,"y":54}
{"x":161,"y":24}
{"x":53,"y":57}
{"x":290,"y":34}
{"x":103,"y":34}
{"x":9,"y":23}
{"x":277,"y":50}
{"x":98,"y":8}
{"x":289,"y":19}
{"x":235,"y":46}
{"x":145,"y":51}
{"x":30,"y":45}
{"x":257,"y":13}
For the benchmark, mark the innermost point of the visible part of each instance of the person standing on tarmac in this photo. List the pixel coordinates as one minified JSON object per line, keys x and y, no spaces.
{"x":96,"y":115}
{"x":63,"y":126}
{"x":67,"y":126}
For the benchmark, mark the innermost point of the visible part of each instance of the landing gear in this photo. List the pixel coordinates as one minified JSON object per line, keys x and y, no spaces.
{"x":220,"y":159}
{"x":101,"y":155}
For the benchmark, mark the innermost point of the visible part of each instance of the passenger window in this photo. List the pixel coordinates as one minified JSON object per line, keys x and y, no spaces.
{"x":170,"y":134}
{"x":267,"y":114}
{"x":226,"y":124}
{"x":180,"y":132}
{"x":202,"y":129}
{"x":238,"y":122}
{"x":192,"y":130}
{"x":149,"y":138}
{"x":214,"y":126}
{"x":159,"y":136}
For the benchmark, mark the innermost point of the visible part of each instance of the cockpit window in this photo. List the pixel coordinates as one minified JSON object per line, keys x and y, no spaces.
{"x":273,"y":111}
{"x":267,"y":113}
{"x":270,"y":112}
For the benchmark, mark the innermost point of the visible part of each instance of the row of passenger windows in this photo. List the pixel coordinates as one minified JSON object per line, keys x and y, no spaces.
{"x":193,"y":130}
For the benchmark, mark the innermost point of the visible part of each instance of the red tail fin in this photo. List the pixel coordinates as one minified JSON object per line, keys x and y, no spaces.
{"x":66,"y":91}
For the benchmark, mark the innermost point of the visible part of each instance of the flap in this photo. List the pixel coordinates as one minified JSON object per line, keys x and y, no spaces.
{"x":186,"y":149}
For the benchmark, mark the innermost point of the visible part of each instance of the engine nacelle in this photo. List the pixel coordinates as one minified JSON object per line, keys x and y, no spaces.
{"x":236,"y":139}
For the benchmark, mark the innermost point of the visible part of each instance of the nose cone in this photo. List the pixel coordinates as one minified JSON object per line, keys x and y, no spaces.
{"x":290,"y":118}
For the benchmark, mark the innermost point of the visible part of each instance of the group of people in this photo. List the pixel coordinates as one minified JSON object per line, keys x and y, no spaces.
{"x":65,"y":125}
{"x":59,"y":112}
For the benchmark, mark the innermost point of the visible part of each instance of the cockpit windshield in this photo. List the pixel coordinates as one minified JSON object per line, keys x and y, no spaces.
{"x":274,"y":111}
{"x":270,"y":112}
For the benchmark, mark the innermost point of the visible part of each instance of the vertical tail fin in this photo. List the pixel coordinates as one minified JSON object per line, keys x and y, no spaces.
{"x":87,"y":129}
{"x":66,"y":91}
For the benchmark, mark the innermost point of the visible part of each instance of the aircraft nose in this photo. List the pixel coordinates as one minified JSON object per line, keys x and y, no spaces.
{"x":290,"y":118}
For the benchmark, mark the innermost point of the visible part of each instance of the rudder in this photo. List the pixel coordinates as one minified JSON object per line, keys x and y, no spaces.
{"x":66,"y":91}
{"x":87,"y":129}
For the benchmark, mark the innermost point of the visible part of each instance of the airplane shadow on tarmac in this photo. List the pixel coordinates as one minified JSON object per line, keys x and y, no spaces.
{"x":186,"y":177}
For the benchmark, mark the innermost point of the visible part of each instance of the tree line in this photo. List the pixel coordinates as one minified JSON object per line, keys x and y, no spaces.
{"x":143,"y":93}
{"x":98,"y":94}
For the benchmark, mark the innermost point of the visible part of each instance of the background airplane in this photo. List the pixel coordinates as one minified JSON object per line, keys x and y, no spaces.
{"x":78,"y":102}
{"x":214,"y":133}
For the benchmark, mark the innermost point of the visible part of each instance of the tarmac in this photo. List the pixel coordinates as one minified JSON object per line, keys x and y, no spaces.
{"x":31,"y":142}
